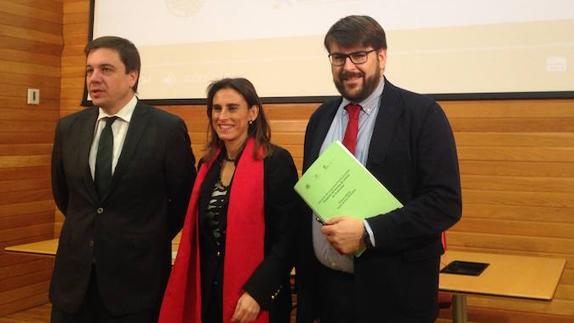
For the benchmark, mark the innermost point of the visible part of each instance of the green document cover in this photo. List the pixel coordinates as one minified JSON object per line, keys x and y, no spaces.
{"x":338,"y":184}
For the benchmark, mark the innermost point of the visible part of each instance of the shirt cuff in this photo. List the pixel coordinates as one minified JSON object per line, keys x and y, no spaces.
{"x":370,"y":232}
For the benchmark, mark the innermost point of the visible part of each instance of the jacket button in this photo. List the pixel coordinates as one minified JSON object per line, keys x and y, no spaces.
{"x":100,"y":210}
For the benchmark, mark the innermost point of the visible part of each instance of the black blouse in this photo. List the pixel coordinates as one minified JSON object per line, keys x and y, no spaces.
{"x":212,"y":229}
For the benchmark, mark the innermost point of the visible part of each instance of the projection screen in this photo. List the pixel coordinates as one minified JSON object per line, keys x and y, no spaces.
{"x":446,"y":48}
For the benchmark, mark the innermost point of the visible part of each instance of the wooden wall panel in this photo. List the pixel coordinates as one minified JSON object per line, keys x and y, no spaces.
{"x":516,"y":160}
{"x":31,"y":37}
{"x":49,"y":11}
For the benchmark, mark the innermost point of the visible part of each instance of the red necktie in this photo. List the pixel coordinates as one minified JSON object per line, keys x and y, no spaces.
{"x":350,"y":138}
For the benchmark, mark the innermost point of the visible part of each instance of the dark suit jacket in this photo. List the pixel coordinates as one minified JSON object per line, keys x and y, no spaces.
{"x":128,"y":232}
{"x":412,"y":152}
{"x":269,"y":284}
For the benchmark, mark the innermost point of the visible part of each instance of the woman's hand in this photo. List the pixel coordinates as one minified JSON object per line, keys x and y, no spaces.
{"x":246,"y":310}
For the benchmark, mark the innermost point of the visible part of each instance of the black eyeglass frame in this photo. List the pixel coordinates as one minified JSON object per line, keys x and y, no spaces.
{"x":362,"y":53}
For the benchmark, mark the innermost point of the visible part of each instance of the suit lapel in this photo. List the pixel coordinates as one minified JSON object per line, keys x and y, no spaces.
{"x":320,"y":132}
{"x":138,"y":124}
{"x":389,"y":112}
{"x":86,"y":138}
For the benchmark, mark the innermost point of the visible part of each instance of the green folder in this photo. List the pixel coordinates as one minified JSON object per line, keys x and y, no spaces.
{"x":338,"y":184}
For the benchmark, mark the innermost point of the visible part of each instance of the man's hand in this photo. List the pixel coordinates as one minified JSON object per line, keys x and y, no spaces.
{"x":345,"y":234}
{"x":246,"y":310}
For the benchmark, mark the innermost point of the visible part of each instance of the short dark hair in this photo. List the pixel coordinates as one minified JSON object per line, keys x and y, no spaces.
{"x":126,"y":49}
{"x":259,"y":129}
{"x":356,"y":30}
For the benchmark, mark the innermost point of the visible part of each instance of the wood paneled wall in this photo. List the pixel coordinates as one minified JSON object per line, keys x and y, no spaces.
{"x":516,"y":158}
{"x":31,"y":44}
{"x":517,"y":166}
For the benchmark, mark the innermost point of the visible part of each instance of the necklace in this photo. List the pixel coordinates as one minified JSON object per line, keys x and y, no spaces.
{"x":229,"y":159}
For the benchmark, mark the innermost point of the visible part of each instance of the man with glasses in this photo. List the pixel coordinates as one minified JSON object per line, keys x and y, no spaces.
{"x":405,"y":141}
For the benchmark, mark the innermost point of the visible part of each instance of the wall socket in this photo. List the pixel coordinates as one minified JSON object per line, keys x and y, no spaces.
{"x":33,"y":96}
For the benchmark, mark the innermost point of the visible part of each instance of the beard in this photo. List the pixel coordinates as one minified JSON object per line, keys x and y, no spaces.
{"x":369,"y":85}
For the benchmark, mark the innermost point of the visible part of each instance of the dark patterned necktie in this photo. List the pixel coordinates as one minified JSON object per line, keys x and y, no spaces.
{"x":103,"y":171}
{"x":352,"y":131}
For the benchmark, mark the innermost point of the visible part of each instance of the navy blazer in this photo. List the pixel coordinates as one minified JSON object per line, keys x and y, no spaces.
{"x":413,"y":154}
{"x":128,"y":232}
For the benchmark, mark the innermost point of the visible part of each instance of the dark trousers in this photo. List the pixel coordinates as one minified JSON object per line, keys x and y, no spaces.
{"x":337,"y":296}
{"x":93,"y":310}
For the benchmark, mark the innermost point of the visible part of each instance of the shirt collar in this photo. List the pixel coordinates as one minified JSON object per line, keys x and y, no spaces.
{"x":125,"y":112}
{"x":372,"y":101}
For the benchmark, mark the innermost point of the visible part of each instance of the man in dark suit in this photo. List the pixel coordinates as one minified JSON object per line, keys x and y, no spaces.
{"x":122,"y":173}
{"x":405,"y":141}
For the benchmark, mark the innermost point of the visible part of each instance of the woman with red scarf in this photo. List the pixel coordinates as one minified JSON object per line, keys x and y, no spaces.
{"x":235,"y":253}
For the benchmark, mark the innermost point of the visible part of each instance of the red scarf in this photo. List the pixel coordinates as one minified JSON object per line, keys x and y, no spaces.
{"x":243,"y":245}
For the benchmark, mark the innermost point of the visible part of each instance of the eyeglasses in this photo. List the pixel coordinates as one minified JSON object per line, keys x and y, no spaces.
{"x":360,"y":57}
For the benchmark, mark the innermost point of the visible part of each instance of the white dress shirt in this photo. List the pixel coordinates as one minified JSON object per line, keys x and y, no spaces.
{"x":119,"y":129}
